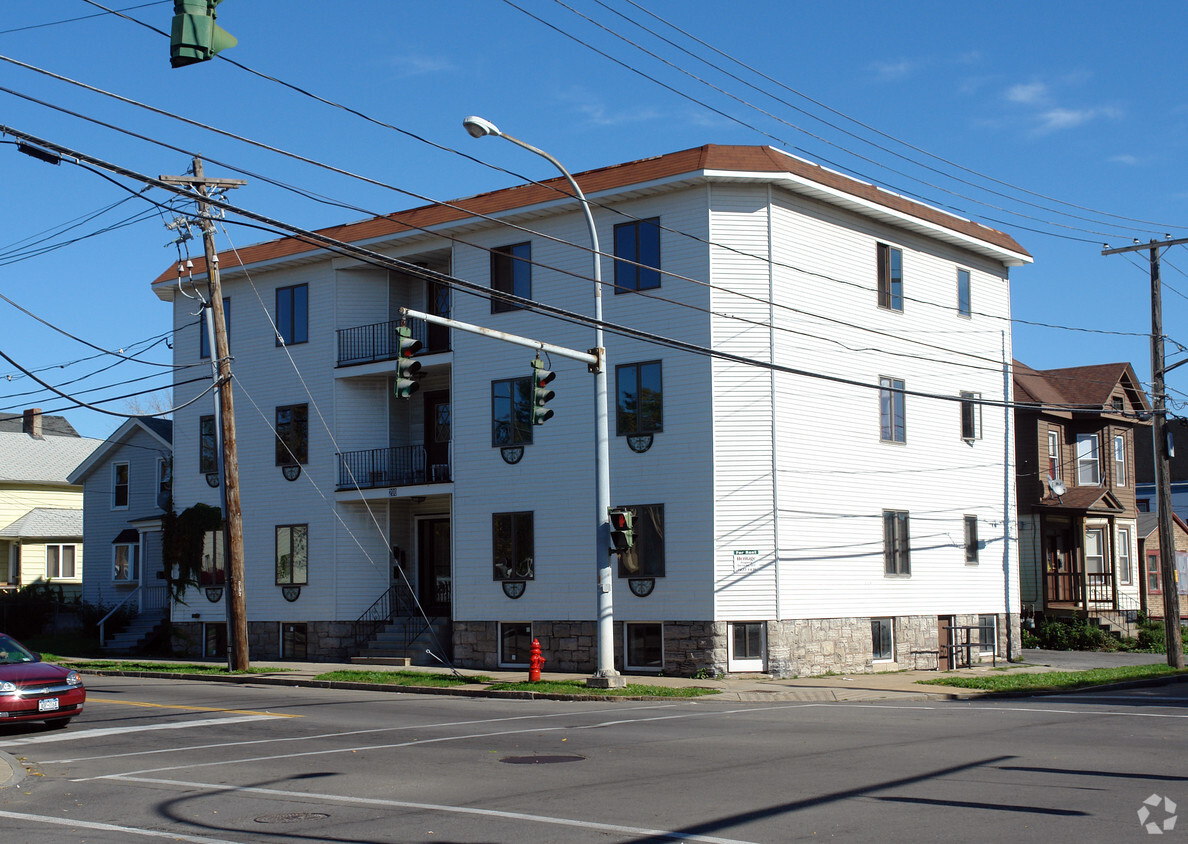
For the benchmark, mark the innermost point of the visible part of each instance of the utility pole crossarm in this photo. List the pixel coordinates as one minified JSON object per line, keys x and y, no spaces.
{"x":1138,"y":247}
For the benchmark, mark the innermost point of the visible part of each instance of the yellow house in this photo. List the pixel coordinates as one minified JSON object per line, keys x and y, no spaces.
{"x":41,"y":525}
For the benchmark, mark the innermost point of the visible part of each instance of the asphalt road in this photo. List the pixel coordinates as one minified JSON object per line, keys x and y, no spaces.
{"x":208,"y":762}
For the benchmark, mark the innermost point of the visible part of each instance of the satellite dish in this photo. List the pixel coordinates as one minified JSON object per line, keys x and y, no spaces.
{"x":1057,"y":486}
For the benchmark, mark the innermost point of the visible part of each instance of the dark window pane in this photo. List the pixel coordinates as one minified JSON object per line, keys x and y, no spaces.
{"x":640,"y":399}
{"x":292,"y":434}
{"x":292,"y":314}
{"x":645,"y":646}
{"x":512,"y":546}
{"x":208,"y":457}
{"x":515,"y":643}
{"x":628,"y":388}
{"x":511,"y":272}
{"x":646,"y":557}
{"x":638,"y":242}
{"x":963,"y":305}
{"x":511,"y":412}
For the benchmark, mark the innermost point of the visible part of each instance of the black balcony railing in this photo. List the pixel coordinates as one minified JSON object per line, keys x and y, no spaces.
{"x":383,"y":467}
{"x":380,"y":341}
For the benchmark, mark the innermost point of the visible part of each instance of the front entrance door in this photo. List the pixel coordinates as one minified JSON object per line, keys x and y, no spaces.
{"x":434,"y":585}
{"x":1059,"y":571}
{"x":944,"y":642}
{"x":437,"y":435}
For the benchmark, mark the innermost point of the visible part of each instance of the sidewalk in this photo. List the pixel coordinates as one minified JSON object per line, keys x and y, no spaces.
{"x":897,"y":685}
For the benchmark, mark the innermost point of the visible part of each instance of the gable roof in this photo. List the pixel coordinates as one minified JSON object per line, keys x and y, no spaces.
{"x":699,"y":163}
{"x":48,"y":460}
{"x":51,"y":426}
{"x":46,"y":523}
{"x":160,"y":429}
{"x":1077,"y":387}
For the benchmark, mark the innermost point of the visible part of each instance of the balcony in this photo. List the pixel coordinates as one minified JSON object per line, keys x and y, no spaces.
{"x":381,"y":341}
{"x":388,"y":467}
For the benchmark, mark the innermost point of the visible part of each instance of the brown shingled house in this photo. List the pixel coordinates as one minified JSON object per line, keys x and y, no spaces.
{"x":1074,"y":449}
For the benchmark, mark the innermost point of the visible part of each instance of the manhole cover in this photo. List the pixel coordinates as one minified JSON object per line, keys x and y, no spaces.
{"x":540,"y":760}
{"x":292,"y":817}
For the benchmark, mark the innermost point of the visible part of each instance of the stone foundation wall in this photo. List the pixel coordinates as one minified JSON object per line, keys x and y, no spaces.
{"x":795,"y":648}
{"x":325,"y":641}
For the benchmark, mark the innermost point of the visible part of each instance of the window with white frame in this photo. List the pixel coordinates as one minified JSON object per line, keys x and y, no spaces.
{"x":890,"y":281}
{"x":1053,"y":453}
{"x":120,"y":477}
{"x":971,"y":539}
{"x":1124,"y":556}
{"x":644,"y":646}
{"x":882,"y":638}
{"x":987,"y":634}
{"x":1088,"y":470}
{"x":963,"y":303}
{"x":59,"y":561}
{"x":126,"y":562}
{"x":892,"y":425}
{"x":1094,"y":551}
{"x":971,"y":416}
{"x":896,"y":543}
{"x":746,"y":646}
{"x":1119,"y":460}
{"x":515,"y":642}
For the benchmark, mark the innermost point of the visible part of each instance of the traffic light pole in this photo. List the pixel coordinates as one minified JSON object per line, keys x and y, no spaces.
{"x":1167,"y":546}
{"x":232,"y":515}
{"x":606,"y":676}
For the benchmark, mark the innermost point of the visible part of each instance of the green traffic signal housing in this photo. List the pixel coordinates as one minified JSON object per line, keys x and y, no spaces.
{"x":622,"y":527}
{"x":541,"y":394}
{"x":194,"y":36}
{"x":407,"y":369}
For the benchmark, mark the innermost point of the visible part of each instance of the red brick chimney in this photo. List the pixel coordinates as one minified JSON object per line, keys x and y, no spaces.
{"x":31,"y":424}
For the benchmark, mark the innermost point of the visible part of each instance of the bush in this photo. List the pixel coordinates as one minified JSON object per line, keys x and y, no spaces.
{"x":1080,"y":635}
{"x":28,"y":611}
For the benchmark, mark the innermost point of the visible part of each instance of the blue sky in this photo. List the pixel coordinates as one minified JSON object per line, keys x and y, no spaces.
{"x":1064,"y":125}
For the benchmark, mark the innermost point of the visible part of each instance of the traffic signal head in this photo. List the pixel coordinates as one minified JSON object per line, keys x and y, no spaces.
{"x":194,"y":36}
{"x":622,"y":527}
{"x":407,"y":367}
{"x":541,"y":394}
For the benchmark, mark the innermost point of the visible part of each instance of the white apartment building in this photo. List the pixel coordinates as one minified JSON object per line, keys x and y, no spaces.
{"x":833,"y":490}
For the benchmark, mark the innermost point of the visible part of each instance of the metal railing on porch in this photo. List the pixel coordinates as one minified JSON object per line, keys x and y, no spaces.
{"x":380,"y":341}
{"x":147,"y":598}
{"x":383,"y":467}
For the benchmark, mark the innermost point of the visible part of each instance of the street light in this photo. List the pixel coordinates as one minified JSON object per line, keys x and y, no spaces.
{"x":605,"y":676}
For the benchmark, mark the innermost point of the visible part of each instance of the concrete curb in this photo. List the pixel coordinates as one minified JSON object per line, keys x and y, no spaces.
{"x":1149,"y":682}
{"x":12,"y":772}
{"x":248,"y":679}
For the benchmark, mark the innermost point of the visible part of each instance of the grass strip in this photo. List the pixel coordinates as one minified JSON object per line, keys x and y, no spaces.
{"x":1054,"y":680}
{"x":164,"y":667}
{"x":403,"y":678}
{"x":579,"y":687}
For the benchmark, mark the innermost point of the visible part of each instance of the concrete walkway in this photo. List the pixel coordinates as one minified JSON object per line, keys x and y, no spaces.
{"x":897,"y":685}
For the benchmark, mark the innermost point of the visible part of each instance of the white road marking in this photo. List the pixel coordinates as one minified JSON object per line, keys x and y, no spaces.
{"x":420,"y":742}
{"x":107,"y":827}
{"x":437,"y":807}
{"x":74,"y":735}
{"x":344,"y":733}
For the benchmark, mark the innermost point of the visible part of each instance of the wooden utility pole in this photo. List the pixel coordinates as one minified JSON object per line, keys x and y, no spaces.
{"x":237,"y":637}
{"x":1167,"y":541}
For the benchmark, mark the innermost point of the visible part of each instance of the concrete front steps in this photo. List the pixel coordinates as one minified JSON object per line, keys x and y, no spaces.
{"x":133,"y":637}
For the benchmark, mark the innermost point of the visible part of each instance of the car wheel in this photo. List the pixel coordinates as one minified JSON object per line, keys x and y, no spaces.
{"x":57,"y":723}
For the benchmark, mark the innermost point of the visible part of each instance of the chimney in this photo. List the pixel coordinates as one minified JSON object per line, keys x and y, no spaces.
{"x":31,"y":424}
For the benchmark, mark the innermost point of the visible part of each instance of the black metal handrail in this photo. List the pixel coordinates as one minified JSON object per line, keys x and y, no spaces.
{"x":406,"y":465}
{"x":380,"y":341}
{"x":397,"y":601}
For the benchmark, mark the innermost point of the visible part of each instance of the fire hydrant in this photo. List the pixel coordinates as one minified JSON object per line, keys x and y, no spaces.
{"x":535,"y":662}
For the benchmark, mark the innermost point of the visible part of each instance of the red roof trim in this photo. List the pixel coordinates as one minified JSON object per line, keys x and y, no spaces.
{"x":740,"y":159}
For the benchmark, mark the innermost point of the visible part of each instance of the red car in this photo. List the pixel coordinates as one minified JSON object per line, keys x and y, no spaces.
{"x":32,"y":690}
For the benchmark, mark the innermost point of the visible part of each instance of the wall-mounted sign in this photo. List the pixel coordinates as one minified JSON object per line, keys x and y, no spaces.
{"x":745,"y":560}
